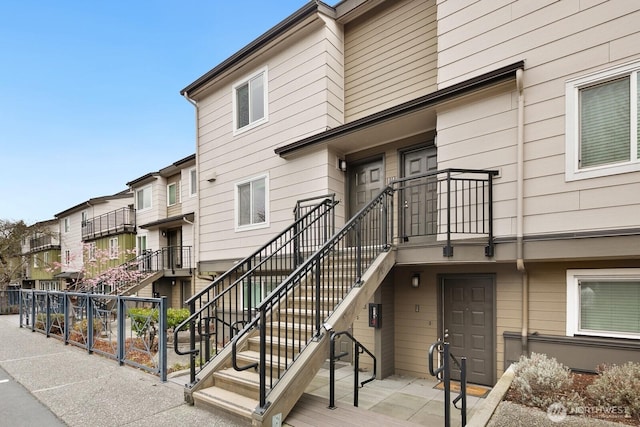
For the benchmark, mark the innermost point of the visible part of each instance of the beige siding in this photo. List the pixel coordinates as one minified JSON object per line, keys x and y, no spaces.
{"x":558,"y":40}
{"x":304,"y":97}
{"x":390,"y":56}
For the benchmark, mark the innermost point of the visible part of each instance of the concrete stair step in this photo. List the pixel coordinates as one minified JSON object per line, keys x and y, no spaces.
{"x":218,"y":398}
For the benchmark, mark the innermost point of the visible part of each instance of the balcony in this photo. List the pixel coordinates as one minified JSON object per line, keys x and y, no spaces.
{"x":44,"y":242}
{"x":115,"y":222}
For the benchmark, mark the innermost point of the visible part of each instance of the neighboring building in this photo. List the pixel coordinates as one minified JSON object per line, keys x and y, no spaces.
{"x":165,"y":206}
{"x":100,"y":224}
{"x":41,"y":252}
{"x":537,"y":250}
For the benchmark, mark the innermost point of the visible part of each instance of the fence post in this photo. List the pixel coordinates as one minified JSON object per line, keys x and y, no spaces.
{"x":33,"y":311}
{"x":90,"y":323}
{"x":162,"y":339}
{"x":122,"y":330}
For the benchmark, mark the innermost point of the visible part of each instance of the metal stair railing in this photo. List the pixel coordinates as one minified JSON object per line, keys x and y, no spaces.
{"x":352,"y":250}
{"x":230,"y":301}
{"x":443,"y":373}
{"x":358,"y":349}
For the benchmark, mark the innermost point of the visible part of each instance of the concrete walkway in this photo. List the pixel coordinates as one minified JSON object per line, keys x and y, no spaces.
{"x":90,"y":390}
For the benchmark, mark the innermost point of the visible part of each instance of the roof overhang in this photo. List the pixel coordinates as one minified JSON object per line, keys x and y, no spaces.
{"x":412,"y":117}
{"x":169,"y":222}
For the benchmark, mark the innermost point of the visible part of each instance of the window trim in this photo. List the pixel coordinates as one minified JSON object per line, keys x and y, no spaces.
{"x":67,"y":224}
{"x":141,"y":189}
{"x":193,"y":182}
{"x":572,"y":123}
{"x":114,"y":254}
{"x":265,"y":88}
{"x":252,"y":226}
{"x":573,"y":297}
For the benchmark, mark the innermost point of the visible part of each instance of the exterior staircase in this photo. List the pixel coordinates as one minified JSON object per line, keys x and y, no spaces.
{"x":223,"y":387}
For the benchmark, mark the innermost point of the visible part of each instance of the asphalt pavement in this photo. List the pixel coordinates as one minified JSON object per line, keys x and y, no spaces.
{"x":52,"y":384}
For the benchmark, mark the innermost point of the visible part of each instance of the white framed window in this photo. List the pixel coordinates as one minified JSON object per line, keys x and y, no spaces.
{"x":143,"y":198}
{"x":45,"y":259}
{"x":67,"y":225}
{"x":604,"y":302}
{"x":602,"y":123}
{"x":250,"y":101}
{"x":91,"y":251}
{"x":193,"y":182}
{"x":114,"y":250}
{"x":36,"y":261}
{"x":67,"y":257}
{"x":173,"y":195}
{"x":252,"y":203}
{"x":142,"y":244}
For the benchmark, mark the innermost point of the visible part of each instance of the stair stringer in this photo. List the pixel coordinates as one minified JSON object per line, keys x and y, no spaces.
{"x":291,"y":386}
{"x":143,"y":283}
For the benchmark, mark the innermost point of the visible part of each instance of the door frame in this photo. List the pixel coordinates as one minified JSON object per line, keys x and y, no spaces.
{"x":349,"y":181}
{"x":441,"y":277}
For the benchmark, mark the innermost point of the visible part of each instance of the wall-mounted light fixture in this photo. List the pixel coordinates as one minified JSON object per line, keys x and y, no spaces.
{"x":164,"y":233}
{"x":342,"y":165}
{"x":415,"y":280}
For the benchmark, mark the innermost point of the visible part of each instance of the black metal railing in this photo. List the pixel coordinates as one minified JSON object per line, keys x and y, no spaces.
{"x":443,"y":373}
{"x":311,"y":293}
{"x":358,"y":349}
{"x":447,"y":204}
{"x":9,"y":300}
{"x":44,"y":241}
{"x":118,"y":221}
{"x":229,"y":303}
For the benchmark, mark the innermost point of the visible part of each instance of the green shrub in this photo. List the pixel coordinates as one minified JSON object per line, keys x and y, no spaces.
{"x":540,"y":382}
{"x":82,"y":325}
{"x":618,"y":385}
{"x":57,"y":322}
{"x":175,"y":316}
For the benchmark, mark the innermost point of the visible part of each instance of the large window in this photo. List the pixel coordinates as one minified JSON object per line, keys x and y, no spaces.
{"x":250,"y":101}
{"x":602,"y":123}
{"x":143,"y":198}
{"x":252,"y":203}
{"x":603,"y":302}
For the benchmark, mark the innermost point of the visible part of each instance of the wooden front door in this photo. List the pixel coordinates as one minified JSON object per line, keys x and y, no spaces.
{"x":469,"y":324}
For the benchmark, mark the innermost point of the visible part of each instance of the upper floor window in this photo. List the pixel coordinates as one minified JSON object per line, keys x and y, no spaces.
{"x":250,"y":101}
{"x":67,"y":225}
{"x":603,"y":302}
{"x":602,"y":123}
{"x":252,"y":203}
{"x":85,"y":217}
{"x":193,"y":182}
{"x":114,"y":250}
{"x":172,"y":194}
{"x":143,"y":198}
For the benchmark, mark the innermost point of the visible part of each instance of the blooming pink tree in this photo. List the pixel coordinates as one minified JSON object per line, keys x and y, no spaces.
{"x":102,"y":270}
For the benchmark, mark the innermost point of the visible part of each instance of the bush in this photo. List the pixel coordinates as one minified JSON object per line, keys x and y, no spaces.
{"x":618,"y":385}
{"x":139,"y":317}
{"x":57,"y":322}
{"x":82,"y":326}
{"x":540,"y":382}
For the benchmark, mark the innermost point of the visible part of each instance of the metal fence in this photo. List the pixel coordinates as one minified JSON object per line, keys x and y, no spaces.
{"x":9,"y":300}
{"x":130,"y":330}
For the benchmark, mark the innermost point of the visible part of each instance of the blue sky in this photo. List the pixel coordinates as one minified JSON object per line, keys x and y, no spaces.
{"x":89,"y":91}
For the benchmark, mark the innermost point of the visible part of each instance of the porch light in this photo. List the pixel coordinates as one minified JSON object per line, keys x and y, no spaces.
{"x":342,"y":165}
{"x":415,"y":280}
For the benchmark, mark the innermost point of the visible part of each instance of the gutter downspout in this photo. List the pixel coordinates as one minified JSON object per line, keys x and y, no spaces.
{"x":520,"y":265}
{"x":196,"y":220}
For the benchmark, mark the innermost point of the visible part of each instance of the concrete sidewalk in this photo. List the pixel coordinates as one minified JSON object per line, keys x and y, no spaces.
{"x":90,"y":390}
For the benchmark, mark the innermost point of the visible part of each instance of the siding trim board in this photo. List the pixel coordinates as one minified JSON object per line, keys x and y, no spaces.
{"x":437,"y":97}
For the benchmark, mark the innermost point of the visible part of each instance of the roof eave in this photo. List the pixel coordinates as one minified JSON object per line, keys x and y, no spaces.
{"x":433,"y":98}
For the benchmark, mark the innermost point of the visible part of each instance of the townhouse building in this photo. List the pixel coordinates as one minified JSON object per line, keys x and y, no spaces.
{"x":41,"y":250}
{"x":165,"y":211}
{"x":499,"y":138}
{"x":101,"y":227}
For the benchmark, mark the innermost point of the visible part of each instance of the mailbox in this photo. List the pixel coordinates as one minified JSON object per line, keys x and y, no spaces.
{"x":375,"y":315}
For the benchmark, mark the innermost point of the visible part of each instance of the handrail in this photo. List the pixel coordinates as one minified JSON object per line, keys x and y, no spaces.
{"x":365,"y":243}
{"x":358,"y":348}
{"x":233,"y":292}
{"x":442,"y":347}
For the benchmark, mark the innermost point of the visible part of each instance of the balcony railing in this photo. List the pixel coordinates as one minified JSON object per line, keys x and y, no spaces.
{"x":119,"y":221}
{"x":44,"y":242}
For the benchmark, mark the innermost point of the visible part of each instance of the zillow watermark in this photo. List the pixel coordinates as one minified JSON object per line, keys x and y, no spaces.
{"x":557,"y":412}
